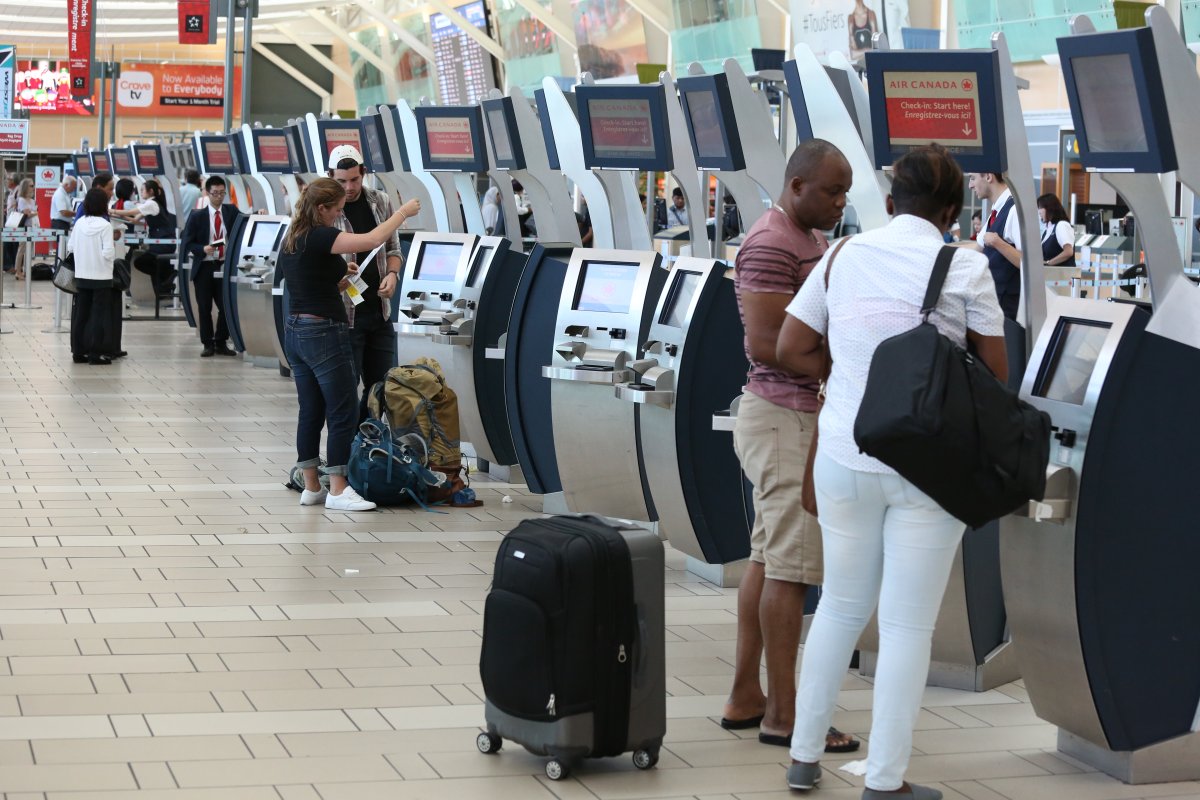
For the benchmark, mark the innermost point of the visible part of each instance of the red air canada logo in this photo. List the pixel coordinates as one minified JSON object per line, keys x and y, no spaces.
{"x":48,"y":175}
{"x":967,"y":85}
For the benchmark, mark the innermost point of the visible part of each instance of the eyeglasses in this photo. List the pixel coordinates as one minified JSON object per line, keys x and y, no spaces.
{"x":217,"y":193}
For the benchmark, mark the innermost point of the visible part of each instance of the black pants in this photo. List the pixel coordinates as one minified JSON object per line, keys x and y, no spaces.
{"x":92,"y":332}
{"x":159,"y":268}
{"x":208,"y":294}
{"x":373,"y":340}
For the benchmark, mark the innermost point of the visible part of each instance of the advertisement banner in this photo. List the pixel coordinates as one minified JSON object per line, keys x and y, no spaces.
{"x":847,"y":26}
{"x":175,"y":90}
{"x":8,"y":66}
{"x":195,"y":23}
{"x":14,"y":137}
{"x":81,"y":45}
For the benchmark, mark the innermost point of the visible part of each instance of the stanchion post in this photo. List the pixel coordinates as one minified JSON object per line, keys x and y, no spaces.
{"x":59,"y":295}
{"x":29,"y":248}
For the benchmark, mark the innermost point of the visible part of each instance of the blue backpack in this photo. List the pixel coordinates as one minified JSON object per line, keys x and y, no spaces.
{"x":388,"y":470}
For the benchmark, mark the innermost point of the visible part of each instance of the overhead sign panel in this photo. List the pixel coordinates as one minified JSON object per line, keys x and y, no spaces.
{"x":81,"y":45}
{"x":14,"y":137}
{"x":196,"y":22}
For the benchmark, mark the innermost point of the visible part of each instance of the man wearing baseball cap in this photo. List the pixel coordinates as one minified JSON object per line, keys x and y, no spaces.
{"x":371,"y":334}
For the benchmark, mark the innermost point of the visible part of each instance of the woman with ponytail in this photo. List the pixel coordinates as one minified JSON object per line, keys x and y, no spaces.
{"x":317,"y":336}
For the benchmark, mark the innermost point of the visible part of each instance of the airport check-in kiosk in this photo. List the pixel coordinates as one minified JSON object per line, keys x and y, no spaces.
{"x":604,"y":318}
{"x":215,"y":153}
{"x":531,"y":334}
{"x":1101,"y":577}
{"x":434,"y":274}
{"x":453,"y":153}
{"x":121,"y":161}
{"x":623,"y":129}
{"x":699,"y":367}
{"x":273,"y":164}
{"x":83,"y":165}
{"x":395,"y":152}
{"x":484,"y":295}
{"x":248,"y":286}
{"x":955,"y":98}
{"x":100,"y":162}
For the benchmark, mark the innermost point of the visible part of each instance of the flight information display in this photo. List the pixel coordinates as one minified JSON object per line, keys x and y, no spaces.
{"x":439,"y":261}
{"x":218,"y":156}
{"x":122,"y":162}
{"x":606,"y":287}
{"x":272,"y":151}
{"x":464,"y":69}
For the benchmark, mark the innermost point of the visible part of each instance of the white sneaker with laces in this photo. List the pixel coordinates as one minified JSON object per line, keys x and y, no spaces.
{"x":308,"y":498}
{"x":348,"y":500}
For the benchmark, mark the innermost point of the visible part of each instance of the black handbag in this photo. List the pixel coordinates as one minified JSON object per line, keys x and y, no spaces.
{"x":939,"y":417}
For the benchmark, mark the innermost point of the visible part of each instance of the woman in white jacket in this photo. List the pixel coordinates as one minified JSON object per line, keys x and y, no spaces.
{"x":91,"y":242}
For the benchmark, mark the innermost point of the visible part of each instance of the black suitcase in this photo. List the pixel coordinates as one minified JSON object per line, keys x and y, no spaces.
{"x":573,"y":661}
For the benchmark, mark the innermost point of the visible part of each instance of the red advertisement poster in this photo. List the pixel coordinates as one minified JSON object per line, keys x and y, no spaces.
{"x":449,"y":139}
{"x":941,"y":107}
{"x":621,"y":128}
{"x":43,"y":87}
{"x":81,"y":40}
{"x":195,"y":23}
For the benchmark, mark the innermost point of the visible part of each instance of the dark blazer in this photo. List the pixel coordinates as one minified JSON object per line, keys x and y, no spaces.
{"x":197,"y":233}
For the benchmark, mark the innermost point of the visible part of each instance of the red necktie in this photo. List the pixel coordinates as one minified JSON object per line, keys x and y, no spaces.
{"x":991,"y":219}
{"x":217,"y":228}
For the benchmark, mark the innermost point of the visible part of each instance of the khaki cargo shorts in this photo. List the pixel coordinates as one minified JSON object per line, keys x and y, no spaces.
{"x":772,"y":444}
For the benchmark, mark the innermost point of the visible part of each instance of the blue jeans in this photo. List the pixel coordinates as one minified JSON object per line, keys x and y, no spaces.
{"x":322,"y":362}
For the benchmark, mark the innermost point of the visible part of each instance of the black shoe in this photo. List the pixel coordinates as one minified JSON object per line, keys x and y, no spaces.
{"x":225,"y":350}
{"x":79,"y":359}
{"x":99,"y":360}
{"x":208,"y":352}
{"x":120,"y":354}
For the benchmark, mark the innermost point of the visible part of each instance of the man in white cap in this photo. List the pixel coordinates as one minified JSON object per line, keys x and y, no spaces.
{"x":371,"y":334}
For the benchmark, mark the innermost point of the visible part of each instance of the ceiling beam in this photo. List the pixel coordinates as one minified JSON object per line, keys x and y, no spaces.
{"x":402,"y":33}
{"x":481,"y":38}
{"x":316,"y":55}
{"x":357,"y":46}
{"x":296,"y":75}
{"x":561,"y":28}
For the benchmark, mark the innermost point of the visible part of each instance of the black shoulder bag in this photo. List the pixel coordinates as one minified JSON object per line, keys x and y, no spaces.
{"x":939,"y":417}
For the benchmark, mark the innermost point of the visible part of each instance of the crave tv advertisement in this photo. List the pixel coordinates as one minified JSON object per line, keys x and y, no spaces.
{"x":143,"y":90}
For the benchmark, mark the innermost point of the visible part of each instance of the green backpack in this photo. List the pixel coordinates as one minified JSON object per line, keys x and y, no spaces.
{"x":414,"y":399}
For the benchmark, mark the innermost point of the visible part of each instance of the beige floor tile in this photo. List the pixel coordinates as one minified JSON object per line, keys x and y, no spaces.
{"x":59,"y":727}
{"x":100,"y":664}
{"x":139,"y":703}
{"x":1084,"y":786}
{"x":123,"y":750}
{"x":224,"y":793}
{"x":92,"y":777}
{"x":270,"y":771}
{"x":381,"y":697}
{"x":247,"y":722}
{"x":512,"y":788}
{"x":222,"y":681}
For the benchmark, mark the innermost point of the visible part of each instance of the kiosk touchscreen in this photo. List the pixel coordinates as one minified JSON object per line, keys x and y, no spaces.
{"x":121,"y":161}
{"x":274,"y":162}
{"x":1086,"y":569}
{"x":604,"y":318}
{"x":332,"y":133}
{"x":83,"y":165}
{"x":711,"y":122}
{"x":501,"y":120}
{"x":698,"y":369}
{"x":624,"y":127}
{"x":453,"y":152}
{"x":100,"y":162}
{"x":148,"y":158}
{"x":484,"y":294}
{"x":249,"y":288}
{"x":434,"y":273}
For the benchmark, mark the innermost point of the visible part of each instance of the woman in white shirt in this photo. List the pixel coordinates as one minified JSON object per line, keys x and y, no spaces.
{"x":886,"y":542}
{"x":91,"y":242}
{"x":26,"y":205}
{"x":1058,"y":236}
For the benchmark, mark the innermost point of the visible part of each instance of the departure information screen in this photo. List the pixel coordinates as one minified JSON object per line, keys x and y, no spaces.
{"x":606,"y":287}
{"x":273,"y":151}
{"x":217,"y":155}
{"x":122,"y":164}
{"x":1108,"y":98}
{"x":464,"y":69}
{"x":1077,"y":348}
{"x":439,"y":261}
{"x":941,"y":107}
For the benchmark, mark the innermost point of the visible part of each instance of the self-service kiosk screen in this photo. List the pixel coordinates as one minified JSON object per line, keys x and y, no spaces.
{"x":624,"y":132}
{"x":296,"y":151}
{"x":1108,"y":98}
{"x":264,"y":234}
{"x":217,"y":155}
{"x":149,"y":160}
{"x":439,"y":261}
{"x":100,"y":163}
{"x":83,"y":165}
{"x":606,"y":286}
{"x":543,"y":110}
{"x":679,"y":298}
{"x":333,"y":135}
{"x":1072,"y":361}
{"x":483,"y":254}
{"x":706,"y":127}
{"x":377,"y":155}
{"x":273,"y":154}
{"x":122,"y":164}
{"x":452,"y":138}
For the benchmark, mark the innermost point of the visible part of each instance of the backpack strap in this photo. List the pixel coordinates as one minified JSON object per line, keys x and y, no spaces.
{"x":941,"y":268}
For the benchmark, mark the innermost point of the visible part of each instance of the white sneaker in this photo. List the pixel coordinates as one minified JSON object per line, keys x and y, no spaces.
{"x":308,"y":498}
{"x":348,"y":500}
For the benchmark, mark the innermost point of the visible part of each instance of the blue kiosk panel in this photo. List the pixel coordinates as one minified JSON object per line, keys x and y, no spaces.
{"x":272,"y":152}
{"x":1115,"y":89}
{"x":452,"y":138}
{"x":300,"y":148}
{"x":83,"y":165}
{"x":502,"y":130}
{"x":100,"y":162}
{"x":121,"y":161}
{"x":625,"y":127}
{"x":951,"y":98}
{"x":711,"y":121}
{"x":400,"y":146}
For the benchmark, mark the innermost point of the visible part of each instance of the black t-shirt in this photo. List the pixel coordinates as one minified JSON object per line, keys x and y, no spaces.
{"x":312,"y":274}
{"x":362,"y":220}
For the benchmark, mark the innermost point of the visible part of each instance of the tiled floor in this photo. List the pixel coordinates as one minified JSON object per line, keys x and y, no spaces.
{"x":174,"y":626}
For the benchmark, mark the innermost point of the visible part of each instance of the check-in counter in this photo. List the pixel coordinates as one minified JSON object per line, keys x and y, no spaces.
{"x":485,"y":298}
{"x":248,"y":286}
{"x":699,"y":367}
{"x":604,"y":317}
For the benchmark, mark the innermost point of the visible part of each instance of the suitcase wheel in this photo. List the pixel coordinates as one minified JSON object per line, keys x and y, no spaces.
{"x":488,"y":743}
{"x":645,"y":759}
{"x":557,"y":770}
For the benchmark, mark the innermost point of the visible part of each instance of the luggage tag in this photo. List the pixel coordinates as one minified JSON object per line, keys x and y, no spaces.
{"x":355,"y":289}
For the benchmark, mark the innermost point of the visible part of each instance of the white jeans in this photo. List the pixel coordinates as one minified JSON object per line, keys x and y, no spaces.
{"x":886,"y":542}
